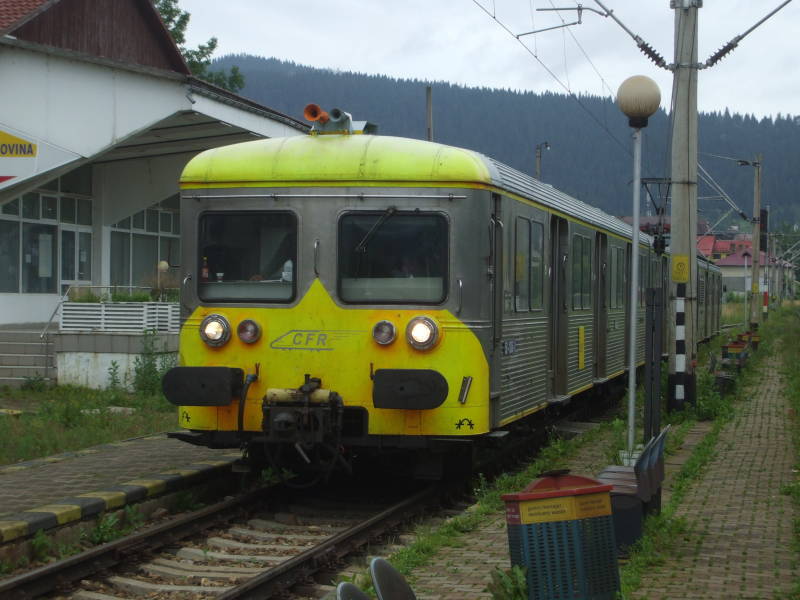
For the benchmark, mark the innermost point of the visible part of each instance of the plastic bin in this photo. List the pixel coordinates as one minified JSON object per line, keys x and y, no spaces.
{"x":561,"y":530}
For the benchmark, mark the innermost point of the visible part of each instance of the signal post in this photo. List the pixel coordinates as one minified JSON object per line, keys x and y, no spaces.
{"x":683,"y":220}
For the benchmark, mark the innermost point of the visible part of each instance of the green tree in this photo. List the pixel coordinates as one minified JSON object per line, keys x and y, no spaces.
{"x":198,"y":60}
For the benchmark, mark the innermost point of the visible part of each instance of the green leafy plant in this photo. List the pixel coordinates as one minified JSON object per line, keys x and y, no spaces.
{"x":106,"y":530}
{"x":509,"y":584}
{"x":114,"y":382}
{"x":41,"y":546}
{"x":710,"y":403}
{"x":130,"y":297}
{"x":272,"y":476}
{"x":185,"y":501}
{"x":150,"y":366}
{"x":133,"y":519}
{"x":34,"y":383}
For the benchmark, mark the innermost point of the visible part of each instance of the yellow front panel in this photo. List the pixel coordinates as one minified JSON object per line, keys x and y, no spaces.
{"x":335,"y":344}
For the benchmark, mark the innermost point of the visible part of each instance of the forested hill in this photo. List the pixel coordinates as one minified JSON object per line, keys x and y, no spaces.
{"x":590,"y":156}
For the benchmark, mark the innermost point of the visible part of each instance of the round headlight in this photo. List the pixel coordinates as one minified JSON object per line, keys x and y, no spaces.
{"x":215,"y":330}
{"x":384,"y":332}
{"x":422,"y":333}
{"x":248,"y":331}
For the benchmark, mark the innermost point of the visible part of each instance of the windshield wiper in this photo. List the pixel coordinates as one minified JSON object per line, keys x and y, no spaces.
{"x":362,"y":245}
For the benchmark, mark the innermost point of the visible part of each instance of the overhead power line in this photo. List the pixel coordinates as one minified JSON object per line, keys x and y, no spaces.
{"x":550,"y":72}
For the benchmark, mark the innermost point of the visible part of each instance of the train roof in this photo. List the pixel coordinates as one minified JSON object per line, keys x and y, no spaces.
{"x":341,"y":159}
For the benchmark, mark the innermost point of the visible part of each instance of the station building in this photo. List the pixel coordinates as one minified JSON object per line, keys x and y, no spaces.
{"x":99,"y":114}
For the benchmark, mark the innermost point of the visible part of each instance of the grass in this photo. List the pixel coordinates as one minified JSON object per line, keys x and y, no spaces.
{"x":788,"y":323}
{"x":68,"y":418}
{"x":733,"y":311}
{"x":662,"y":533}
{"x":489,"y":505}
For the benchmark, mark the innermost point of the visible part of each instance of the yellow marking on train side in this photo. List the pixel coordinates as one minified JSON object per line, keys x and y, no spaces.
{"x":580,"y":389}
{"x":522,"y":414}
{"x":582,"y":347}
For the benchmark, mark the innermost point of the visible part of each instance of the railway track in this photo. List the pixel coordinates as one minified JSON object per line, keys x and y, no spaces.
{"x":257,"y":544}
{"x":238,"y":548}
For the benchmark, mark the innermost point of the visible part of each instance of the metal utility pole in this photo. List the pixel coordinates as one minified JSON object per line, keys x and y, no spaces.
{"x":755,"y":305}
{"x":683,"y":221}
{"x":546,"y":146}
{"x":429,"y":111}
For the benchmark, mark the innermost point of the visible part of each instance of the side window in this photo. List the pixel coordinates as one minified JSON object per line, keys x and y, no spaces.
{"x":537,"y":262}
{"x":620,"y":290}
{"x":577,"y":254}
{"x":642,"y":278}
{"x":581,"y":272}
{"x":522,"y":285}
{"x":586,"y":281}
{"x":612,"y":278}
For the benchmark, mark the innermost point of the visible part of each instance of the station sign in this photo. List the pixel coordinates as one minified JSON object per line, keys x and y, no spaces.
{"x":24,"y":156}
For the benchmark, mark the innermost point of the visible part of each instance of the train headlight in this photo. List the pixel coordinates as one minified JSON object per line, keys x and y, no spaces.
{"x":248,"y":331}
{"x":215,"y":330}
{"x":384,"y":332}
{"x":422,"y":333}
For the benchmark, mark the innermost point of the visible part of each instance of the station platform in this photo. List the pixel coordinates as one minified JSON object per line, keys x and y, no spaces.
{"x":738,"y":539}
{"x":65,"y":488}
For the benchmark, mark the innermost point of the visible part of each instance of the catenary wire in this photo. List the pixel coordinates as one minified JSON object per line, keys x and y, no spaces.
{"x":555,"y":77}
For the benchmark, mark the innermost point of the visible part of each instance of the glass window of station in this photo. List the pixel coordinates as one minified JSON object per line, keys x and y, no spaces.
{"x":246,"y":256}
{"x":393,"y":257}
{"x":141,"y":241}
{"x":46,"y":237}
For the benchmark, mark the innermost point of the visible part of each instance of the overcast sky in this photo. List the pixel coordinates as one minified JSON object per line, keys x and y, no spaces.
{"x":455,"y":41}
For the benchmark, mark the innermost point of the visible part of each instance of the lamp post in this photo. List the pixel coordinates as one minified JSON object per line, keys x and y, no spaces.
{"x":539,"y":147}
{"x":638,"y":97}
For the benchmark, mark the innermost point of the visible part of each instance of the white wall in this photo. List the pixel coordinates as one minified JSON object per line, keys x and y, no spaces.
{"x":27,"y":308}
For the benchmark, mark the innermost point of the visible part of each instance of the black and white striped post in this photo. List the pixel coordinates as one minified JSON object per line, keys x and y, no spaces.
{"x":680,"y":344}
{"x":638,"y":97}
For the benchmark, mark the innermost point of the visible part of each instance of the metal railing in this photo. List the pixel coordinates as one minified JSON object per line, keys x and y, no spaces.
{"x":85,"y":295}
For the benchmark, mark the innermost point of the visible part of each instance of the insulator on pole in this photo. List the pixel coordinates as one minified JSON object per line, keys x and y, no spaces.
{"x":722,"y":53}
{"x":652,"y":54}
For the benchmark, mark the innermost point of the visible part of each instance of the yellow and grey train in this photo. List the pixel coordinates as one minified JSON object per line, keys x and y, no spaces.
{"x":349,"y":293}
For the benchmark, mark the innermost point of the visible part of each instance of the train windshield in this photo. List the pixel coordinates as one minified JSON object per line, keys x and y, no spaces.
{"x":247,"y":256}
{"x":393,"y":257}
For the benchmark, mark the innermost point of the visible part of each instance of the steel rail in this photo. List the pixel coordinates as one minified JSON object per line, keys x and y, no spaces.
{"x":303,"y":565}
{"x":74,"y":568}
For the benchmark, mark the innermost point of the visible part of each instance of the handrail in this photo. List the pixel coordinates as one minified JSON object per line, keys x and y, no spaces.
{"x":61,"y":301}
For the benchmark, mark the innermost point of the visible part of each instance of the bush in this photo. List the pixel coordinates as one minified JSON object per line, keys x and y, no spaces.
{"x":149,"y":367}
{"x":710,"y":404}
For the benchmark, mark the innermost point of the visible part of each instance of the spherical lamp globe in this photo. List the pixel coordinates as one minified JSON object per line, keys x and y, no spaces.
{"x":638,"y":97}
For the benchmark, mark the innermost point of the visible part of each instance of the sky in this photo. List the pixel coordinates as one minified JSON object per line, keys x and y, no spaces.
{"x":458,"y":42}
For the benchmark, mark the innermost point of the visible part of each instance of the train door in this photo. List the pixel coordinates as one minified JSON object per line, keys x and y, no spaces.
{"x":665,"y":304}
{"x":559,"y":257}
{"x":496,"y":241}
{"x":600,"y":304}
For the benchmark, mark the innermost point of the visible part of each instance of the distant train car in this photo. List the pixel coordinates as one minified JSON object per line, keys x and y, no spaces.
{"x":353,"y":293}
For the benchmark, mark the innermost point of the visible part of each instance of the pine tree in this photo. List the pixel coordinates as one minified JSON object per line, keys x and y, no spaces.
{"x":198,"y":60}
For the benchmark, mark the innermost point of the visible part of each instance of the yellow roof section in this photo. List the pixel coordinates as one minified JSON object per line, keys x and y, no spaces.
{"x":334,"y":158}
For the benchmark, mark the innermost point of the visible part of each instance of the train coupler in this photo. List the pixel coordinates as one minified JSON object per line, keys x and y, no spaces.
{"x":306,"y":415}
